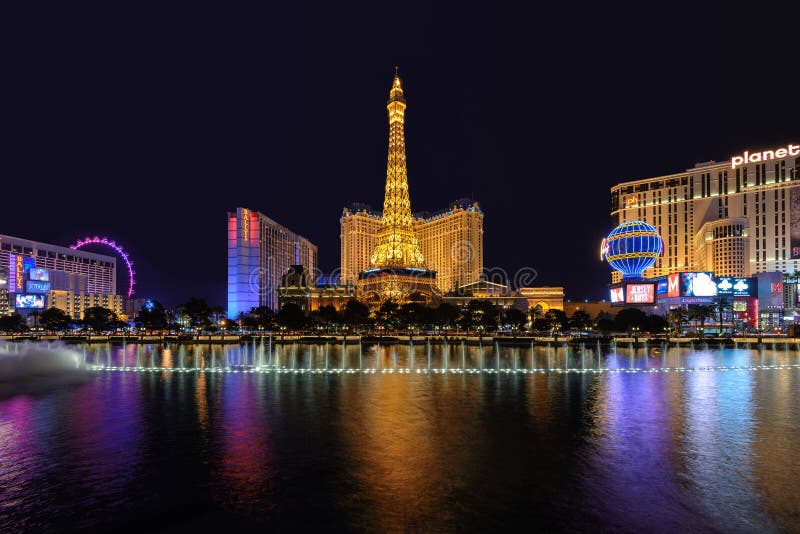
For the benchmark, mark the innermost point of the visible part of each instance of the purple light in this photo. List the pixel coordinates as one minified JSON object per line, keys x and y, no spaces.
{"x":118,"y":249}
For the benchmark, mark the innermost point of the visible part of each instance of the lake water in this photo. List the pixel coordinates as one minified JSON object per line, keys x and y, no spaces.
{"x":398,"y":438}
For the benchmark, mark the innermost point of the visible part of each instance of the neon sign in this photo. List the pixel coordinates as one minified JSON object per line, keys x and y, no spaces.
{"x":19,"y":271}
{"x":603,"y":249}
{"x":18,"y":265}
{"x":245,"y":223}
{"x":766,"y":155}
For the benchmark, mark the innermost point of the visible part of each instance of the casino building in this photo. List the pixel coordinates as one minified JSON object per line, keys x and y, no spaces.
{"x":735,"y":218}
{"x":260,"y":251}
{"x":733,"y":225}
{"x":451,"y":241}
{"x":35,"y":276}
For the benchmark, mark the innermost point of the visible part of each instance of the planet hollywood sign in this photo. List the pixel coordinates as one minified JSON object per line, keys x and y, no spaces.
{"x":766,"y":155}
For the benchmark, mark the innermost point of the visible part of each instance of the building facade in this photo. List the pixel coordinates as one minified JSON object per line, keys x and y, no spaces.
{"x":98,"y":270}
{"x":450,"y":240}
{"x":260,"y":251}
{"x":297,"y":288}
{"x":359,"y":226}
{"x":735,"y":218}
{"x":30,"y":273}
{"x":75,"y":304}
{"x":5,"y":309}
{"x":499,"y":295}
{"x":543,"y":299}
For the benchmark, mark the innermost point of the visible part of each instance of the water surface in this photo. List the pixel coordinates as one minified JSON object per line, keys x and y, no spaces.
{"x":711,"y":449}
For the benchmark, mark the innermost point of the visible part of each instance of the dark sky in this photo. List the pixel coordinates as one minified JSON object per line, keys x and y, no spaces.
{"x":147,"y":126}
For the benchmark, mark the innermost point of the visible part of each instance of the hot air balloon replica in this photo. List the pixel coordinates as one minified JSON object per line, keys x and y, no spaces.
{"x":631,"y":248}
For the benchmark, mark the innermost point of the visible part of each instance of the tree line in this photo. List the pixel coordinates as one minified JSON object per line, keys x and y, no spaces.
{"x":56,"y":320}
{"x":477,"y":315}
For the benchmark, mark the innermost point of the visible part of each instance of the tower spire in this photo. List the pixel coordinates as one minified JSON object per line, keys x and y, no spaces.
{"x":397,"y":243}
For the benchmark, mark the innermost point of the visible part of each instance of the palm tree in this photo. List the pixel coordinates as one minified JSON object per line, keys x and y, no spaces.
{"x":537,"y":312}
{"x":725,"y":307}
{"x":701,"y":312}
{"x":676,"y":318}
{"x":218,"y":313}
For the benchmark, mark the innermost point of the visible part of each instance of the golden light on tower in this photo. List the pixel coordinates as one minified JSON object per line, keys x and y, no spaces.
{"x":397,"y":269}
{"x":397,"y":243}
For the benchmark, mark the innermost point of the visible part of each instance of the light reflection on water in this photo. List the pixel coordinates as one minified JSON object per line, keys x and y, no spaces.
{"x":637,"y":452}
{"x":421,"y":356}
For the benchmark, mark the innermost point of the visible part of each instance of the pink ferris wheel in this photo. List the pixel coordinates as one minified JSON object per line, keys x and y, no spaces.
{"x":118,"y":249}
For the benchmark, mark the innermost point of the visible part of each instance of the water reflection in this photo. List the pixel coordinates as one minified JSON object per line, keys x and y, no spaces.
{"x":709,"y":449}
{"x":427,"y":357}
{"x":242,"y":481}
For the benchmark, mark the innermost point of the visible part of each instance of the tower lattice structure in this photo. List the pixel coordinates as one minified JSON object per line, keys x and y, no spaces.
{"x":397,"y":244}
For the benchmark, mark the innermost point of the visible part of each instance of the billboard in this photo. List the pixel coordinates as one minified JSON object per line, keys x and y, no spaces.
{"x":640,"y":294}
{"x":34,"y":286}
{"x":42,"y":275}
{"x":674,"y":285}
{"x":736,"y":287}
{"x":794,"y":223}
{"x":29,"y":302}
{"x":661,"y":284}
{"x":698,"y":285}
{"x":617,"y":295}
{"x":770,"y":290}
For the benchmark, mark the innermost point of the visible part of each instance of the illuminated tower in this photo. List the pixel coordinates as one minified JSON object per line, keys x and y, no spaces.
{"x":397,"y":242}
{"x":397,"y":269}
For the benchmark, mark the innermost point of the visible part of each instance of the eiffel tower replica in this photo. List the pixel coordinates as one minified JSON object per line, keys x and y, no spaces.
{"x":397,"y":269}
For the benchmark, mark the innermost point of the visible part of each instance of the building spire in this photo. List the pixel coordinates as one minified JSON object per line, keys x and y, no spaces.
{"x":397,"y":243}
{"x":396,"y":92}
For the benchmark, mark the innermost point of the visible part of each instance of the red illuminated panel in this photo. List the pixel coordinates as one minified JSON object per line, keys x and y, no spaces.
{"x":640,"y":294}
{"x":674,"y":285}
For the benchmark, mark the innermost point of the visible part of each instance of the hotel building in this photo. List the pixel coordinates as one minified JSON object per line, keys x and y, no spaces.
{"x":75,"y":304}
{"x":88,"y":276}
{"x":359,"y":227}
{"x":451,"y":241}
{"x":734,"y":218}
{"x":260,"y":251}
{"x":99,"y":272}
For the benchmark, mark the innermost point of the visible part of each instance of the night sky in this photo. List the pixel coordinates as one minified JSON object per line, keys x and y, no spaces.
{"x":148,"y":126}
